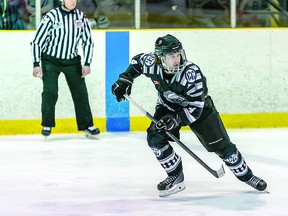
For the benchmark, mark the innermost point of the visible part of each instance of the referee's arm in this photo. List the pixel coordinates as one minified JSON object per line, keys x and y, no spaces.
{"x":39,"y":39}
{"x":87,"y":43}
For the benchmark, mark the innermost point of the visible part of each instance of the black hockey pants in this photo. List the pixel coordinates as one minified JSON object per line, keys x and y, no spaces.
{"x":212,"y":134}
{"x":72,"y":69}
{"x":209,"y":129}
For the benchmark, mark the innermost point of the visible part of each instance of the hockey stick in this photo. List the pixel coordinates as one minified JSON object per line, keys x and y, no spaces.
{"x":217,"y":173}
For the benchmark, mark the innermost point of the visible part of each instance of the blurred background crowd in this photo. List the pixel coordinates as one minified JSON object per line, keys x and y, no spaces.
{"x":103,"y":14}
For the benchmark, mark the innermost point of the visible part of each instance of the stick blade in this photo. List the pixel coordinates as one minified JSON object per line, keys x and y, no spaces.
{"x":220,"y":173}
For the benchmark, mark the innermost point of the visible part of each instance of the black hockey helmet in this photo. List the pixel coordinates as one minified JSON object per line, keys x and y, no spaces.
{"x":170,"y":45}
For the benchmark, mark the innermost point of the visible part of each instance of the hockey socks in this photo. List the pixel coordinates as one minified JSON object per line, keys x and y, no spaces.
{"x":238,"y":166}
{"x":172,"y":164}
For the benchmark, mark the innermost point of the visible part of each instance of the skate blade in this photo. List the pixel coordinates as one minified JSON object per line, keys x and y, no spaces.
{"x":89,"y":136}
{"x":175,"y":189}
{"x":45,"y":137}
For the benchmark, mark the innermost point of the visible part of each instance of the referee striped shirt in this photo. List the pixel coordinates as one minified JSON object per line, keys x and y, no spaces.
{"x":59,"y":35}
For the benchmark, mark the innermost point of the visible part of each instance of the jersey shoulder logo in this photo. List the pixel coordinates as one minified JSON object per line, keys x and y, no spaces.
{"x":79,"y":23}
{"x":57,"y":25}
{"x":149,"y":60}
{"x":190,"y":75}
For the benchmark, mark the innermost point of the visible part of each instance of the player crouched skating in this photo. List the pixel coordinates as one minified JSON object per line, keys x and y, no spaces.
{"x":183,"y":100}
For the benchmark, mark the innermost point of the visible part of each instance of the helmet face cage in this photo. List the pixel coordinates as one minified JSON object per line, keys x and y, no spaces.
{"x":170,"y":45}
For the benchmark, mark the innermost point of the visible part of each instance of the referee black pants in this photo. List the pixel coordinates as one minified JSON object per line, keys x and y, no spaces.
{"x":72,"y":69}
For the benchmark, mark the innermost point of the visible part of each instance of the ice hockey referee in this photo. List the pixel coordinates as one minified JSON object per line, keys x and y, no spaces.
{"x":54,"y":50}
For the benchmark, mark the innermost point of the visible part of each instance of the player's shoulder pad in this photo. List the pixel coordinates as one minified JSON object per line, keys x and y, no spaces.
{"x":190,"y":72}
{"x":145,"y":59}
{"x":149,"y":59}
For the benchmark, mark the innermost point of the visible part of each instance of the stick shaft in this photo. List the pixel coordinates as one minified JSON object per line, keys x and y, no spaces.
{"x":219,"y":173}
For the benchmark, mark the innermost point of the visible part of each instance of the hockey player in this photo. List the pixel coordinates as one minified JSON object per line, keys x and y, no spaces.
{"x":183,"y":99}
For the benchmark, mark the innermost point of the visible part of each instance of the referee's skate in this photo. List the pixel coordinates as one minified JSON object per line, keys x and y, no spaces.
{"x":91,"y":132}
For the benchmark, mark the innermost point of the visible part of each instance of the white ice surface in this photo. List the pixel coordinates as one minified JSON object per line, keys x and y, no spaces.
{"x":117,"y":174}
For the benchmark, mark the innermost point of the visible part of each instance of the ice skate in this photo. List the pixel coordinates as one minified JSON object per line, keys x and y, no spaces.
{"x":46,"y":131}
{"x":171,"y":185}
{"x":257,"y":183}
{"x":91,"y":132}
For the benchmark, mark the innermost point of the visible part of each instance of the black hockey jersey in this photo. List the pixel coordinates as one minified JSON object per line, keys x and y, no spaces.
{"x":184,"y":92}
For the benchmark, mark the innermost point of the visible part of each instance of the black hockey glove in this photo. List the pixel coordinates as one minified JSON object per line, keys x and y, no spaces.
{"x":167,"y":123}
{"x":122,"y":86}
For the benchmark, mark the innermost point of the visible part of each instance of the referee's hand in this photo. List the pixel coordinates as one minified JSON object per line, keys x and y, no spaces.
{"x":37,"y":72}
{"x":85,"y":71}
